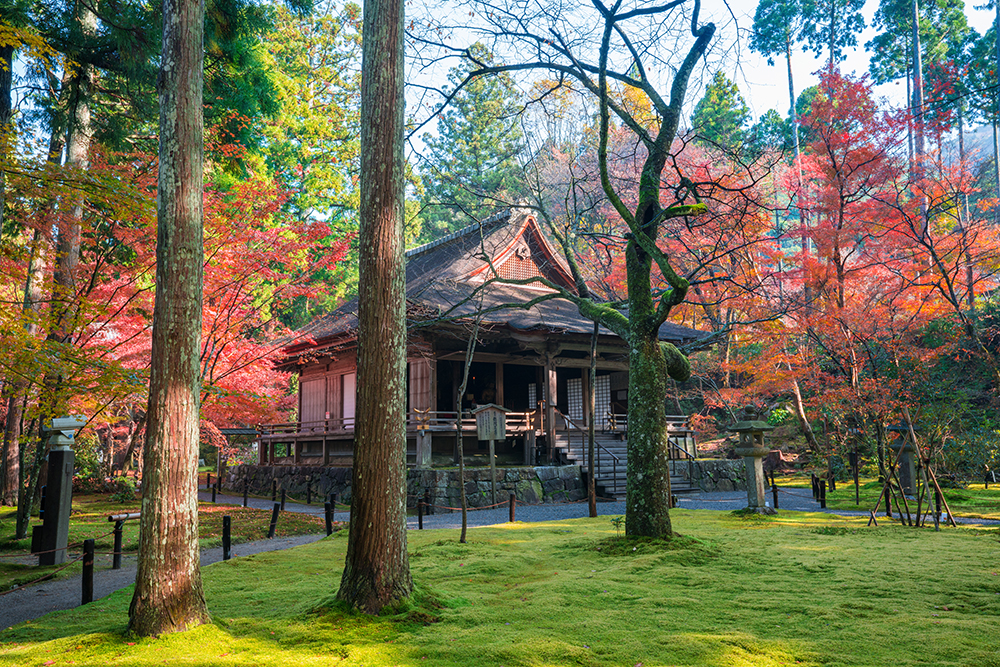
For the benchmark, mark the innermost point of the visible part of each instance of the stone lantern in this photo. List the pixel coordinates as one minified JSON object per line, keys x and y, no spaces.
{"x":50,"y":539}
{"x":751,"y":447}
{"x":906,"y":464}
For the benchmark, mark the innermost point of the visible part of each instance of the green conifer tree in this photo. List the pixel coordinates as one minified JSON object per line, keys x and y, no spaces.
{"x":721,"y":116}
{"x":471,"y":166}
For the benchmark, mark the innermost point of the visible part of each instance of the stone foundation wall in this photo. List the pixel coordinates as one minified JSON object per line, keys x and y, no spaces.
{"x":542,"y":484}
{"x":712,"y":474}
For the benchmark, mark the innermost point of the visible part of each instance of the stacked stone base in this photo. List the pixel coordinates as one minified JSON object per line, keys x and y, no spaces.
{"x":532,"y":485}
{"x":542,"y":484}
{"x":710,"y":475}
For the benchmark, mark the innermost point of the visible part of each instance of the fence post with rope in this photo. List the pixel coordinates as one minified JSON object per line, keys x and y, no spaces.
{"x":88,"y":572}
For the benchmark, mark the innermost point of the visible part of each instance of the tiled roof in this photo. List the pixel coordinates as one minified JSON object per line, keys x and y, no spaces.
{"x":438,"y":284}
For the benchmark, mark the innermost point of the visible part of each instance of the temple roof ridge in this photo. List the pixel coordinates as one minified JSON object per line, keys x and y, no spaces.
{"x":488,"y":223}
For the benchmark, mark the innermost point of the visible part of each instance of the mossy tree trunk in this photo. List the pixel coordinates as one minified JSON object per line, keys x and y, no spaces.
{"x":377,"y":568}
{"x":168,"y":593}
{"x":564,"y":52}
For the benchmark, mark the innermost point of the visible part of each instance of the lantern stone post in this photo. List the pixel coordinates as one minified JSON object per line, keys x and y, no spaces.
{"x":751,"y":447}
{"x":50,"y":539}
{"x":906,"y":465}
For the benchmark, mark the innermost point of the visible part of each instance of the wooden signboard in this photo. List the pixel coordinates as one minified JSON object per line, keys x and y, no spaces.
{"x":491,"y":422}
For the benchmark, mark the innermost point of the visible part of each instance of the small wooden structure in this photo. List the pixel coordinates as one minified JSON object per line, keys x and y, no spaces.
{"x":491,"y":425}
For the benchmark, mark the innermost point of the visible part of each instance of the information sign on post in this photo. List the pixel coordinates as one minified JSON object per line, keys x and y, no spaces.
{"x":491,"y":424}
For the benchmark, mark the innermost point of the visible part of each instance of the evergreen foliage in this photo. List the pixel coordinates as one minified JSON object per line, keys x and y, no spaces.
{"x":472,"y":164}
{"x":721,"y":116}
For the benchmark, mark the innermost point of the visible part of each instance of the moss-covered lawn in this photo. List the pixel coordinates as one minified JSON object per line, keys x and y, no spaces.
{"x":974,"y":501}
{"x":89,"y":520}
{"x":800,"y":589}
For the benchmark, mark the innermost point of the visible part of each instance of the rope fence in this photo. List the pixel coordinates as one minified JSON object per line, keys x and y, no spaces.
{"x":48,"y":575}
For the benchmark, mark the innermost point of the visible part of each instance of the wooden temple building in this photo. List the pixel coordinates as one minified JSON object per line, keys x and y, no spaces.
{"x":533,"y":361}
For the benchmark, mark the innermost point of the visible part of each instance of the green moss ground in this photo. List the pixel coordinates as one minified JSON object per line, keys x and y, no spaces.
{"x":89,"y":521}
{"x":809,"y":589}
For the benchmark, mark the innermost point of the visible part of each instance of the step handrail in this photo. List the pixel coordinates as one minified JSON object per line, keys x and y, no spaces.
{"x":597,"y":467}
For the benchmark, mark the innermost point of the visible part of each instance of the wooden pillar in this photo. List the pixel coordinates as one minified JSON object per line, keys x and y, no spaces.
{"x":326,"y":451}
{"x":297,"y":452}
{"x":499,"y":383}
{"x":270,"y":458}
{"x":456,"y":401}
{"x":423,"y":448}
{"x":550,"y":406}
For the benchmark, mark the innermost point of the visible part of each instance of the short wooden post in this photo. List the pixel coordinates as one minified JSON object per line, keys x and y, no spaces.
{"x":493,"y":472}
{"x":420,"y":514}
{"x":282,"y":500}
{"x":937,"y":510}
{"x":513,"y":504}
{"x":812,"y":478}
{"x":208,"y":481}
{"x":822,"y":495}
{"x":856,"y":465}
{"x":831,"y":484}
{"x":274,"y":490}
{"x":328,"y":515}
{"x":246,"y":490}
{"x":774,"y":492}
{"x":274,"y":520}
{"x":428,"y":507}
{"x":116,"y":558}
{"x":227,"y":523}
{"x":213,"y":494}
{"x":88,"y":571}
{"x":309,"y":490}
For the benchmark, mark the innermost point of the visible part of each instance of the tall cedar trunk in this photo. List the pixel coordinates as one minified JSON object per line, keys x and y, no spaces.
{"x":9,"y":471}
{"x":168,"y":594}
{"x":63,"y":283}
{"x":17,"y":389}
{"x":79,"y":136}
{"x":377,"y":569}
{"x":996,"y":99}
{"x":6,"y":79}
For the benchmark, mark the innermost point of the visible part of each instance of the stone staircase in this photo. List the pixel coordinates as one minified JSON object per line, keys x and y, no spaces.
{"x":611,"y":454}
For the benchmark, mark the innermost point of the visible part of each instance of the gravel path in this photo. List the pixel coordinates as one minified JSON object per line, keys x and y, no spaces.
{"x":35,"y":601}
{"x":30,"y":603}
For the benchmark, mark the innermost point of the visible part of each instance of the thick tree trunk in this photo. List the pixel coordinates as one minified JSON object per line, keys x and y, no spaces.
{"x":647,"y":500}
{"x":168,"y":593}
{"x":377,"y":568}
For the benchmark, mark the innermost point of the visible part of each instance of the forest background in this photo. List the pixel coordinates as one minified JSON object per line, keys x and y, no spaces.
{"x":843,"y":270}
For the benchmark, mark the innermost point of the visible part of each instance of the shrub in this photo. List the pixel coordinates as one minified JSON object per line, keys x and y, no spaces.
{"x":122,"y":489}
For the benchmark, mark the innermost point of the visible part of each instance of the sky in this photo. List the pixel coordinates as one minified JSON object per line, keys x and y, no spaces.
{"x":765,"y":87}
